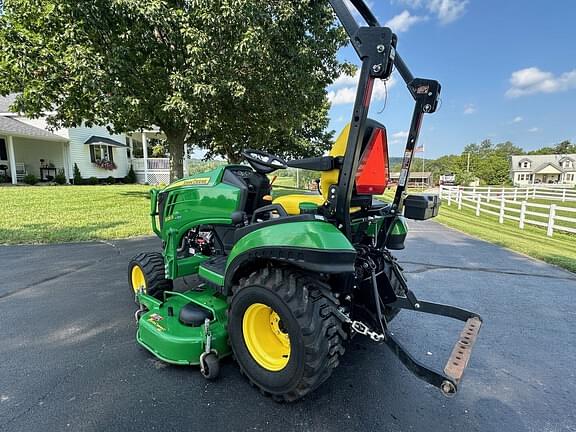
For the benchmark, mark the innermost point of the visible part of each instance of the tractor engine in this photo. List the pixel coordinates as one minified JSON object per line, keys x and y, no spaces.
{"x":197,"y":241}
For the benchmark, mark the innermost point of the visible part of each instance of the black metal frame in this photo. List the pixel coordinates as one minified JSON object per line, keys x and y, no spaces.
{"x":432,"y":376}
{"x":376,"y":47}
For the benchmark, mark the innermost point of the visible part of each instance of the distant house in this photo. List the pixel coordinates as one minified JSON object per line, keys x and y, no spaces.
{"x":548,"y":169}
{"x":415,"y":179}
{"x":27,"y":146}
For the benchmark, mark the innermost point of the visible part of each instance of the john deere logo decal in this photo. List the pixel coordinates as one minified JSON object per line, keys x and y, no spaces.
{"x":196,"y":181}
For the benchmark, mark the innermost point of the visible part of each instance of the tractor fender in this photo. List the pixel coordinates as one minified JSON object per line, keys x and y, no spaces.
{"x":312,"y":245}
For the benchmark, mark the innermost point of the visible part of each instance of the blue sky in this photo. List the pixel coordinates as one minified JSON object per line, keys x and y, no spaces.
{"x":507,"y":69}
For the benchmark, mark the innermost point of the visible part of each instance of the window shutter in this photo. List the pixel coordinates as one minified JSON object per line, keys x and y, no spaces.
{"x":111,"y":153}
{"x":3,"y":153}
{"x":92,"y":157}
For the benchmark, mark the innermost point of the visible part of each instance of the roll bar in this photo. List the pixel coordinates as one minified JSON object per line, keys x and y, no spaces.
{"x":376,"y":48}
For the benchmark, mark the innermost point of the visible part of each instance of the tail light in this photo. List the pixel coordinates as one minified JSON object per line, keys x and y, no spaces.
{"x":372,"y":175}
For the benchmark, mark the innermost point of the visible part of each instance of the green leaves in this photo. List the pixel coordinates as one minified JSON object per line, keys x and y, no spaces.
{"x":221,"y":74}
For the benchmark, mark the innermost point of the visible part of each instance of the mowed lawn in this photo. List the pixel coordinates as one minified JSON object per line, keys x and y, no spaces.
{"x":52,"y":214}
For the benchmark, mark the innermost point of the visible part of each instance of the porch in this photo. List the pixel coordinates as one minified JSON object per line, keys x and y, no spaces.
{"x":148,"y":169}
{"x":25,"y":149}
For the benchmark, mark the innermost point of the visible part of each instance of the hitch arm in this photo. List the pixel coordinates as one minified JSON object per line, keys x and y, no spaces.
{"x":449,"y":379}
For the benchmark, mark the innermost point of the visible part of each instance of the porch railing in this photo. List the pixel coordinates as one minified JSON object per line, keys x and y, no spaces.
{"x":154,"y":164}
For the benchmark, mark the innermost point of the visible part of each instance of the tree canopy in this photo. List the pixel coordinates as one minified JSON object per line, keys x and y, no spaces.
{"x":221,"y":74}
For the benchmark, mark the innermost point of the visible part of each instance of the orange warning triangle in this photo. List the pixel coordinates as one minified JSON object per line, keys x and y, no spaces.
{"x":372,"y":174}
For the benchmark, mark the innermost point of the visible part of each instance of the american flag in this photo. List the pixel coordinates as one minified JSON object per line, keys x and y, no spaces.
{"x":419,"y":149}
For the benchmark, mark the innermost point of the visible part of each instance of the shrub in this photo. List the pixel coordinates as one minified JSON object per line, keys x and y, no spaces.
{"x":131,"y":176}
{"x":60,"y":177}
{"x":92,"y":181}
{"x":77,"y":175}
{"x":30,"y":179}
{"x":110,"y":180}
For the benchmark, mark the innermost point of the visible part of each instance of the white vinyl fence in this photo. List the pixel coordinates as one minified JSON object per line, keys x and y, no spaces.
{"x":513,"y":204}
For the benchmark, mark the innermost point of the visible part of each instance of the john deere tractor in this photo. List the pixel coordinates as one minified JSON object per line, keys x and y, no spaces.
{"x":284,"y":283}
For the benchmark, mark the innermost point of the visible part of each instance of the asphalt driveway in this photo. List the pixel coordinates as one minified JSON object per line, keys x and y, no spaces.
{"x":69,"y":361}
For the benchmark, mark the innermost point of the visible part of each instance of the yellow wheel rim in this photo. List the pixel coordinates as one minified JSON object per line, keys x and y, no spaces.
{"x":265,"y":338}
{"x":138,"y":279}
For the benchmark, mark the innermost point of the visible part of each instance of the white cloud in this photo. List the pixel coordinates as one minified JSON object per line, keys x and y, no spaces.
{"x":343,"y":91}
{"x":533,"y":80}
{"x":403,"y":21}
{"x":446,"y":11}
{"x":342,"y":96}
{"x":400,"y":134}
{"x":534,"y":129}
{"x":517,"y":119}
{"x":399,"y":137}
{"x":469,"y":109}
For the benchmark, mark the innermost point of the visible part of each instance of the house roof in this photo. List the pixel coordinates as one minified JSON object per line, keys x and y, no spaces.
{"x":6,"y":101}
{"x":13,"y":127}
{"x":94,"y":140}
{"x":542,"y":168}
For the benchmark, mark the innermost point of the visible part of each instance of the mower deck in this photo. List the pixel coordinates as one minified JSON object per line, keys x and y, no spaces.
{"x":161,"y":331}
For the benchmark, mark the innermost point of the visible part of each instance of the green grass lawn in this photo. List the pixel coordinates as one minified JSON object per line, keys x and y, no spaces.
{"x":52,"y":214}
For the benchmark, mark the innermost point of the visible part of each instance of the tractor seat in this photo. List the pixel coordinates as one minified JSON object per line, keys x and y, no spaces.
{"x":330,"y":172}
{"x":291,"y":203}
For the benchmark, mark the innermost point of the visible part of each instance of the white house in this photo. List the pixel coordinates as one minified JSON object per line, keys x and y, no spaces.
{"x":535,"y":169}
{"x":27,"y":146}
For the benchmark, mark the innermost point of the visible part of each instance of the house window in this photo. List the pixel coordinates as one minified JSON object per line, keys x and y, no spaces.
{"x":524,"y":164}
{"x":101,"y":153}
{"x":569,"y":177}
{"x":137,"y":151}
{"x":3,"y":153}
{"x":567,"y":164}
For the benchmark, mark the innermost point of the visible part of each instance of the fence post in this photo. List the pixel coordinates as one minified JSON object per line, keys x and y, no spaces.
{"x":515,"y":193}
{"x":478,"y":203}
{"x":459,"y":199}
{"x":527,"y":192}
{"x":488,"y":195}
{"x":474,"y":190}
{"x":551,"y":216}
{"x":522,"y":214}
{"x":440,"y":193}
{"x":502,"y":204}
{"x":563,"y":195}
{"x":449,"y":196}
{"x":534,"y":192}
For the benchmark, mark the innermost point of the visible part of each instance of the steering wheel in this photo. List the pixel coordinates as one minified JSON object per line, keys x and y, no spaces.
{"x":262,"y":162}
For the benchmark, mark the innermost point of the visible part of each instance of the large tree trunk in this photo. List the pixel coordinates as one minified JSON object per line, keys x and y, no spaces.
{"x":176,"y":149}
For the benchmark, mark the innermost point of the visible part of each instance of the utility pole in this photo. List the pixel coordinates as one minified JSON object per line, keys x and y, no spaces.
{"x":468,"y":163}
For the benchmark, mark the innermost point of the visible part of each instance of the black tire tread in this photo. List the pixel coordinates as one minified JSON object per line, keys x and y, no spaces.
{"x":314,"y":306}
{"x":152,"y":264}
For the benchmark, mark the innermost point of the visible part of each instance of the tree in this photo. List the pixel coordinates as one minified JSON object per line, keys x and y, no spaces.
{"x":226,"y":74}
{"x":564,"y":147}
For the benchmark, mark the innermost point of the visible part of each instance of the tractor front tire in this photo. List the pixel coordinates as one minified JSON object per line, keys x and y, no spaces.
{"x":284,"y":331}
{"x":147,"y":270}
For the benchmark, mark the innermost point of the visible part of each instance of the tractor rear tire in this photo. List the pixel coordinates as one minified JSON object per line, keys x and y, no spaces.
{"x":284,"y":331}
{"x":147,"y":269}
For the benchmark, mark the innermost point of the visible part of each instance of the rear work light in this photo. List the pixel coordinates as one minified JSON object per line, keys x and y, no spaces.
{"x":372,"y":175}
